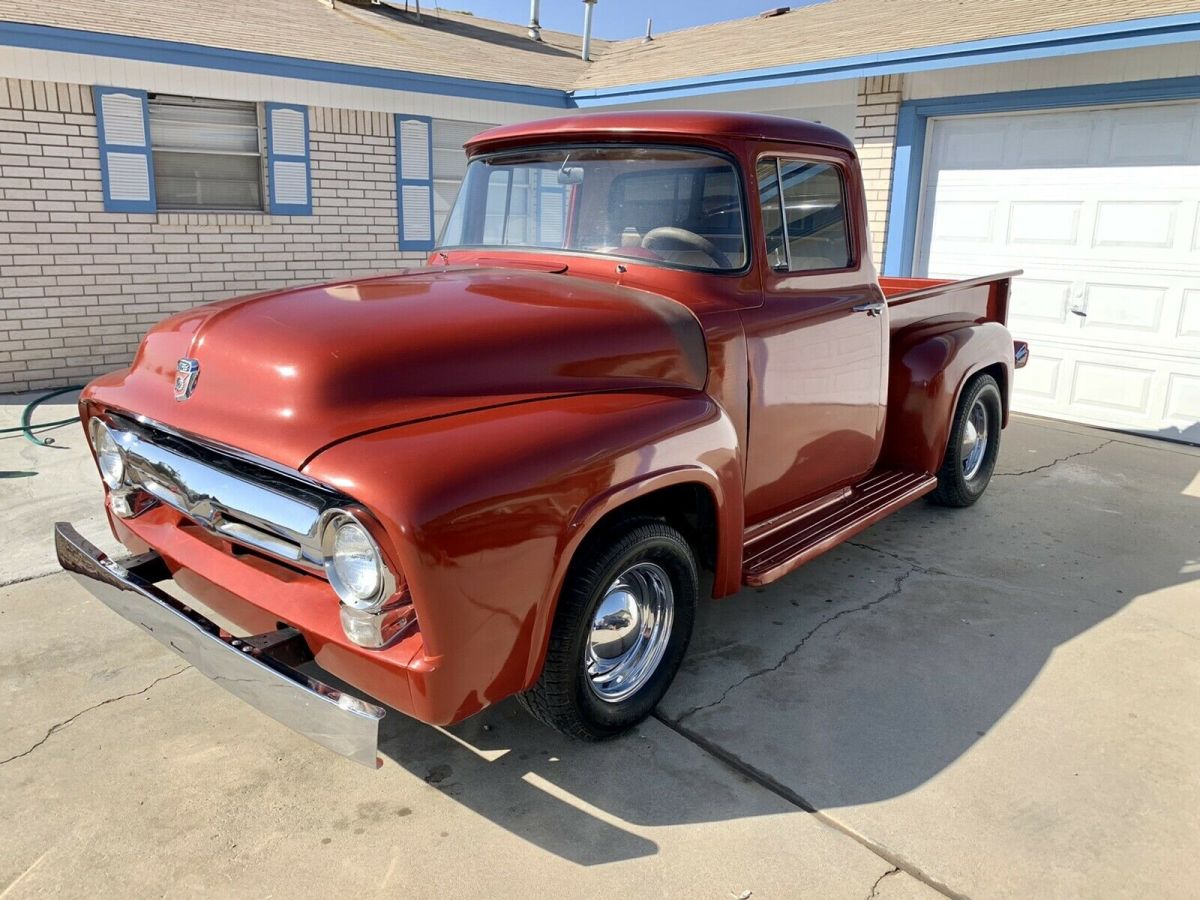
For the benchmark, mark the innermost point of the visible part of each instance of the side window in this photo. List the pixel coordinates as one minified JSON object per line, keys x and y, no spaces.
{"x":816,"y":216}
{"x":814,"y":233}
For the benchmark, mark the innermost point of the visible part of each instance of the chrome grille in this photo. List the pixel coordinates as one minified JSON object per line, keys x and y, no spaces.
{"x":239,"y":500}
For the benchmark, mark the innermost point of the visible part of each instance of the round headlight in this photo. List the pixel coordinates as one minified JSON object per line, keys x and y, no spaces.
{"x":353,"y":563}
{"x":108,"y":455}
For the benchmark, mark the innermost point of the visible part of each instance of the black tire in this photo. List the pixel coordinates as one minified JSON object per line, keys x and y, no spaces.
{"x":955,"y":488}
{"x":563,"y":697}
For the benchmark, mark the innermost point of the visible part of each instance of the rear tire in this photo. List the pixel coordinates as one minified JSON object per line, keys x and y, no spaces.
{"x":623,"y":624}
{"x":973,"y":447}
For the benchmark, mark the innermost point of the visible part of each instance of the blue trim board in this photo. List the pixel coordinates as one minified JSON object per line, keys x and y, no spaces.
{"x":71,"y":40}
{"x":1149,"y":32}
{"x":124,"y":206}
{"x":427,"y":182}
{"x":287,"y":209}
{"x":913,"y":125}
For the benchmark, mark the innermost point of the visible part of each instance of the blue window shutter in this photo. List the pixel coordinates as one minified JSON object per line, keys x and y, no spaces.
{"x":126,"y":164}
{"x":414,"y":181}
{"x":289,"y":169}
{"x":552,"y":209}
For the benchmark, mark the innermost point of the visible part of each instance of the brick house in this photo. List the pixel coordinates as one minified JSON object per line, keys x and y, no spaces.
{"x":152,"y":159}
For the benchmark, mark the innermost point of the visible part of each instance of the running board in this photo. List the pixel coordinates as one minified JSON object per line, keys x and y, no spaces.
{"x":782,"y":549}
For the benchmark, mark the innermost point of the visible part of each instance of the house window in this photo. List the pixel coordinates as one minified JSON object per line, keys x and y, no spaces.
{"x":207,"y":154}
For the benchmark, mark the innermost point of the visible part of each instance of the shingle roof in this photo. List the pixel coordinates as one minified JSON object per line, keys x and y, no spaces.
{"x":836,"y":29}
{"x":444,"y":44}
{"x":455,"y":44}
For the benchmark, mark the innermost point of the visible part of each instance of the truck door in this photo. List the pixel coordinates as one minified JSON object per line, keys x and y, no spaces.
{"x":818,"y":345}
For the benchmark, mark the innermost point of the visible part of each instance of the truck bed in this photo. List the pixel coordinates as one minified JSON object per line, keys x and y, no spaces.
{"x":931,"y":300}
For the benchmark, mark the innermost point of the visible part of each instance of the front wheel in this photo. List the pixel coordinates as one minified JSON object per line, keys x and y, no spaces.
{"x":973,"y":447}
{"x":623,"y":623}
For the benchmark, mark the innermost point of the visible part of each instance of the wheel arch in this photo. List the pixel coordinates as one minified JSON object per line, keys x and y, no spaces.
{"x":929,"y":370}
{"x":1000,"y":373}
{"x":692,"y":498}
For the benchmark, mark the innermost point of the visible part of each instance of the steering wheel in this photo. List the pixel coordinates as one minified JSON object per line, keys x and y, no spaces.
{"x":667,"y":235}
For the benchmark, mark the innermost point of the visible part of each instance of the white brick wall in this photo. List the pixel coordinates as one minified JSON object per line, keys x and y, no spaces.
{"x":875,"y":138}
{"x":79,"y":286}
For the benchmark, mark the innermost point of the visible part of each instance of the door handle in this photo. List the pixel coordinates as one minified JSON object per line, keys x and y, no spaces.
{"x":871,"y":309}
{"x":1079,"y":300}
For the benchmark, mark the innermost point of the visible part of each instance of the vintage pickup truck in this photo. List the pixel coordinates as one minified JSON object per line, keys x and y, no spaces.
{"x":648,"y":345}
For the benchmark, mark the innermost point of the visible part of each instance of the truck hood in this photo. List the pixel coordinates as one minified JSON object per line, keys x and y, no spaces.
{"x":285,"y":374}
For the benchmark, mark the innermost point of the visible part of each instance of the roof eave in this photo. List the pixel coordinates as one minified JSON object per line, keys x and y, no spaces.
{"x":1149,"y":32}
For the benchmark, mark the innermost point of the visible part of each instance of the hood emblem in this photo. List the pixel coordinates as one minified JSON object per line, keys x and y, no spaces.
{"x":186,"y":373}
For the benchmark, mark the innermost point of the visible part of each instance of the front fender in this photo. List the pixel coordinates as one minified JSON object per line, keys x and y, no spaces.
{"x":928,"y":370}
{"x":485,"y":509}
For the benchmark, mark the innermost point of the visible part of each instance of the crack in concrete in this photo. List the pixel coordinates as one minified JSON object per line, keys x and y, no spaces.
{"x":59,"y":726}
{"x":875,"y":887}
{"x":1051,"y":465}
{"x":21,"y":579}
{"x":911,"y":563}
{"x":896,"y":589}
{"x":763,"y":780}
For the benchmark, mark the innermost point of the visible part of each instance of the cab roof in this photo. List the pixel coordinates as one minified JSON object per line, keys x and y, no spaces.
{"x":712,"y":126}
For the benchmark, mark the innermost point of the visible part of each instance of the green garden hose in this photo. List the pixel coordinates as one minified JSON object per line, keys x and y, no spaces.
{"x":27,"y":427}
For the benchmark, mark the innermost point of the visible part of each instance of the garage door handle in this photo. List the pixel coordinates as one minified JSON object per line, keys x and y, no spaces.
{"x":1079,"y":312}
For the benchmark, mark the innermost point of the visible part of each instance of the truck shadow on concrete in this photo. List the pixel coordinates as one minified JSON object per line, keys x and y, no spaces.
{"x":861,"y":676}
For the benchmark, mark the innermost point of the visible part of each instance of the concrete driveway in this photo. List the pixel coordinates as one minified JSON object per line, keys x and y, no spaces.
{"x":997,"y":702}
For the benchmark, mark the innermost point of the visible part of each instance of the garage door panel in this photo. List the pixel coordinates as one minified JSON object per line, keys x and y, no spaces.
{"x":1111,"y":388}
{"x":1189,"y":318}
{"x":978,"y":144}
{"x":1101,"y":209}
{"x":965,"y":221}
{"x":1039,"y":301}
{"x":1123,"y":311}
{"x":1040,"y":379}
{"x":1055,"y":143}
{"x":1183,"y":406}
{"x":1123,"y":307}
{"x":1107,"y":386}
{"x":1044,"y":222}
{"x":1160,"y":134}
{"x":1129,"y":223}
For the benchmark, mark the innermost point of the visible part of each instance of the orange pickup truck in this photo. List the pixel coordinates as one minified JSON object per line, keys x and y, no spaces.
{"x":647,"y":345}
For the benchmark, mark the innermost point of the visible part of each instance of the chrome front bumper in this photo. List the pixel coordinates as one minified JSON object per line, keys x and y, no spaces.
{"x":257,"y":669}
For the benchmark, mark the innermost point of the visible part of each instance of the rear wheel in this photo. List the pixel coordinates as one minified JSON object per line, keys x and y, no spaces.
{"x":973,"y":447}
{"x":623,"y":623}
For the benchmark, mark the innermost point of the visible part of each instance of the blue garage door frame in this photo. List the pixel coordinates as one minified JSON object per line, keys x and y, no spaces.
{"x":913,"y":121}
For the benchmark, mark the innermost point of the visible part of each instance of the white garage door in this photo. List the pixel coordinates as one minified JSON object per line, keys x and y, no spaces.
{"x":1101,"y":208}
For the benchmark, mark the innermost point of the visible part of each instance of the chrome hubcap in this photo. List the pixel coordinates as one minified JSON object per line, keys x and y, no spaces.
{"x":975,"y":440}
{"x":630,"y":631}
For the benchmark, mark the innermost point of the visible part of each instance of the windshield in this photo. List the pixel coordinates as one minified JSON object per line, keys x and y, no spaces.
{"x":672,"y":207}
